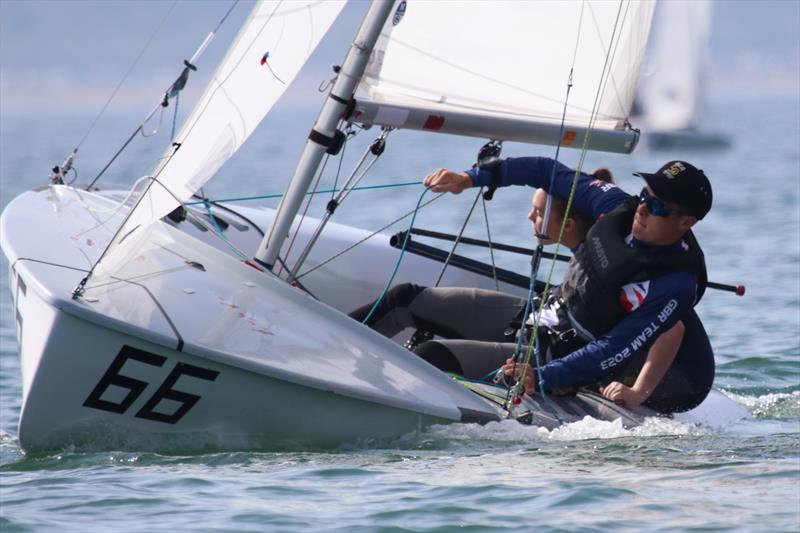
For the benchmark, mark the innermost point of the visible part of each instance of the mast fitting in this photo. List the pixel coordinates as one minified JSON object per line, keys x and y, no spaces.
{"x":489,"y":159}
{"x":332,"y":144}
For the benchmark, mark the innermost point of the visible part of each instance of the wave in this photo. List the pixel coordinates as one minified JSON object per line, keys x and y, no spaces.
{"x":771,"y":405}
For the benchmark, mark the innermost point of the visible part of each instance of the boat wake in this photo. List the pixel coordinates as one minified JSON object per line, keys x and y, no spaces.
{"x":510,"y":431}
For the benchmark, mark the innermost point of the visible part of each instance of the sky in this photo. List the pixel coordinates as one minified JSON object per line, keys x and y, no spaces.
{"x":65,"y":54}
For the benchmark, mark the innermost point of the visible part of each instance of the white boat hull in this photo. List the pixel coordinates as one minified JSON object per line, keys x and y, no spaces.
{"x":123,"y":393}
{"x":189,"y":342}
{"x":189,"y":348}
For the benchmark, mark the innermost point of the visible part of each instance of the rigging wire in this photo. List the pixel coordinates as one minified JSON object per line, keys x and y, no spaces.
{"x":114,"y":158}
{"x":535,"y":264}
{"x":305,"y":211}
{"x":125,"y":76}
{"x":490,"y":152}
{"x":172,"y":91}
{"x":371,"y":235}
{"x":215,"y":230}
{"x":153,"y":179}
{"x":399,"y":258}
{"x":457,"y":239}
{"x":347,"y":137}
{"x":376,"y":149}
{"x":584,"y":148}
{"x":489,"y":240}
{"x":189,"y":128}
{"x":220,"y":233}
{"x":322,"y":191}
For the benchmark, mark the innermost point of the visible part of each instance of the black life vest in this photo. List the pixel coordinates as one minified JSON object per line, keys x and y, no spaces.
{"x":605,"y":263}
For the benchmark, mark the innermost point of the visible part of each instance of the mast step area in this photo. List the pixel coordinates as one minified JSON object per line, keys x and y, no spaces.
{"x":439,"y":118}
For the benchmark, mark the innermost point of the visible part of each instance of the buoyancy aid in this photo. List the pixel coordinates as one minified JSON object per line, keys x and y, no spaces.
{"x":590,"y":293}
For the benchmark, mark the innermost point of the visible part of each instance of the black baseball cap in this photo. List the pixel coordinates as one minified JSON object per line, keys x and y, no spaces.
{"x":681,"y":183}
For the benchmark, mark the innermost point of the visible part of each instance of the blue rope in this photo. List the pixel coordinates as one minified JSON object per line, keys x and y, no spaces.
{"x":399,"y":259}
{"x":534,"y":342}
{"x":528,"y":301}
{"x":214,"y":220}
{"x":269,"y":196}
{"x":485,"y":379}
{"x":221,"y":233}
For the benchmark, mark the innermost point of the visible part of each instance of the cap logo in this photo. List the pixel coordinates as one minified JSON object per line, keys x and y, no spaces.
{"x":399,"y":12}
{"x":673,"y":170}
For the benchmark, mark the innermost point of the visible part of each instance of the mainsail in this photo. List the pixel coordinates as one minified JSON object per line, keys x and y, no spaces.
{"x":500,"y":69}
{"x":269,"y":51}
{"x":491,"y":69}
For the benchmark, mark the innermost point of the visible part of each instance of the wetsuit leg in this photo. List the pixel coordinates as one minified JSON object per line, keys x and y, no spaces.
{"x":688,"y":380}
{"x":450,"y":312}
{"x":392,"y":315}
{"x":471,"y":359}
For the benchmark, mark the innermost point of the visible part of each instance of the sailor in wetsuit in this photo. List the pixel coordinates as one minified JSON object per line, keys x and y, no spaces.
{"x":639,"y":274}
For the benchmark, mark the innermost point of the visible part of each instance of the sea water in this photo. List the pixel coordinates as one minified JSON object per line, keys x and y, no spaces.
{"x":585,"y":476}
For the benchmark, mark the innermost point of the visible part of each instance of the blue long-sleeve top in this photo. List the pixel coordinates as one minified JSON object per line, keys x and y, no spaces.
{"x":654,"y":305}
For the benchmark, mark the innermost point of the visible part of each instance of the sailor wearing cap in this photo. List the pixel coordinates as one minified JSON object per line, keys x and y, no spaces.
{"x":640,"y":273}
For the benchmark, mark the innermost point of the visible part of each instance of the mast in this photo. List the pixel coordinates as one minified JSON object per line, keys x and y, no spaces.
{"x":324,"y":134}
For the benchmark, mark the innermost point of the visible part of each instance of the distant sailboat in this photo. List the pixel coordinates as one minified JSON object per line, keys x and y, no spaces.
{"x":671,"y":97}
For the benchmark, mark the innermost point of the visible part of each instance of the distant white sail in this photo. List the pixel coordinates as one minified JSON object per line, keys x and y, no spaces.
{"x":671,"y":92}
{"x":490,"y":62}
{"x":271,"y":48}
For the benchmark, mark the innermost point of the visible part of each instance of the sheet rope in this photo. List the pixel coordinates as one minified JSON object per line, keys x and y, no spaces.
{"x":309,"y":193}
{"x":533,"y":346}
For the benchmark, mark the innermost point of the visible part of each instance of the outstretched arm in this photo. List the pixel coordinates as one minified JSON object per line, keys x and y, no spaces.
{"x":592,"y":197}
{"x":659,"y":358}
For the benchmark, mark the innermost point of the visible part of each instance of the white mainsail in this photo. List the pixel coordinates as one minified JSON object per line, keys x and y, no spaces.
{"x":270,"y":49}
{"x":499,"y":69}
{"x":671,"y":95}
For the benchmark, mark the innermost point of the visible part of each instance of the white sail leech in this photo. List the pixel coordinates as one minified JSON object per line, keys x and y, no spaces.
{"x":266,"y":56}
{"x":461,"y":75}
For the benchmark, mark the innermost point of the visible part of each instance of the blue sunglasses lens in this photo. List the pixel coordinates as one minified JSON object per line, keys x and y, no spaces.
{"x":654,"y":205}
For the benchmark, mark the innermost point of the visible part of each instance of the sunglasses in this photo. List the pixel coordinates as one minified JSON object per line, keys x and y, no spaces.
{"x":655,"y":206}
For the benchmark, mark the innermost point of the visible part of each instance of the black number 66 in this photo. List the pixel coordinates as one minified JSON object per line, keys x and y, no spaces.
{"x":136,"y":387}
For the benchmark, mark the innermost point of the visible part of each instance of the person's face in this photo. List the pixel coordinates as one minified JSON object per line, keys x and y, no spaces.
{"x":536,"y":216}
{"x":660,"y":230}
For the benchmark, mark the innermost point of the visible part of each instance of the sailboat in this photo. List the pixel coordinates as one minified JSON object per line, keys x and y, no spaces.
{"x":139,"y":328}
{"x":671,"y":97}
